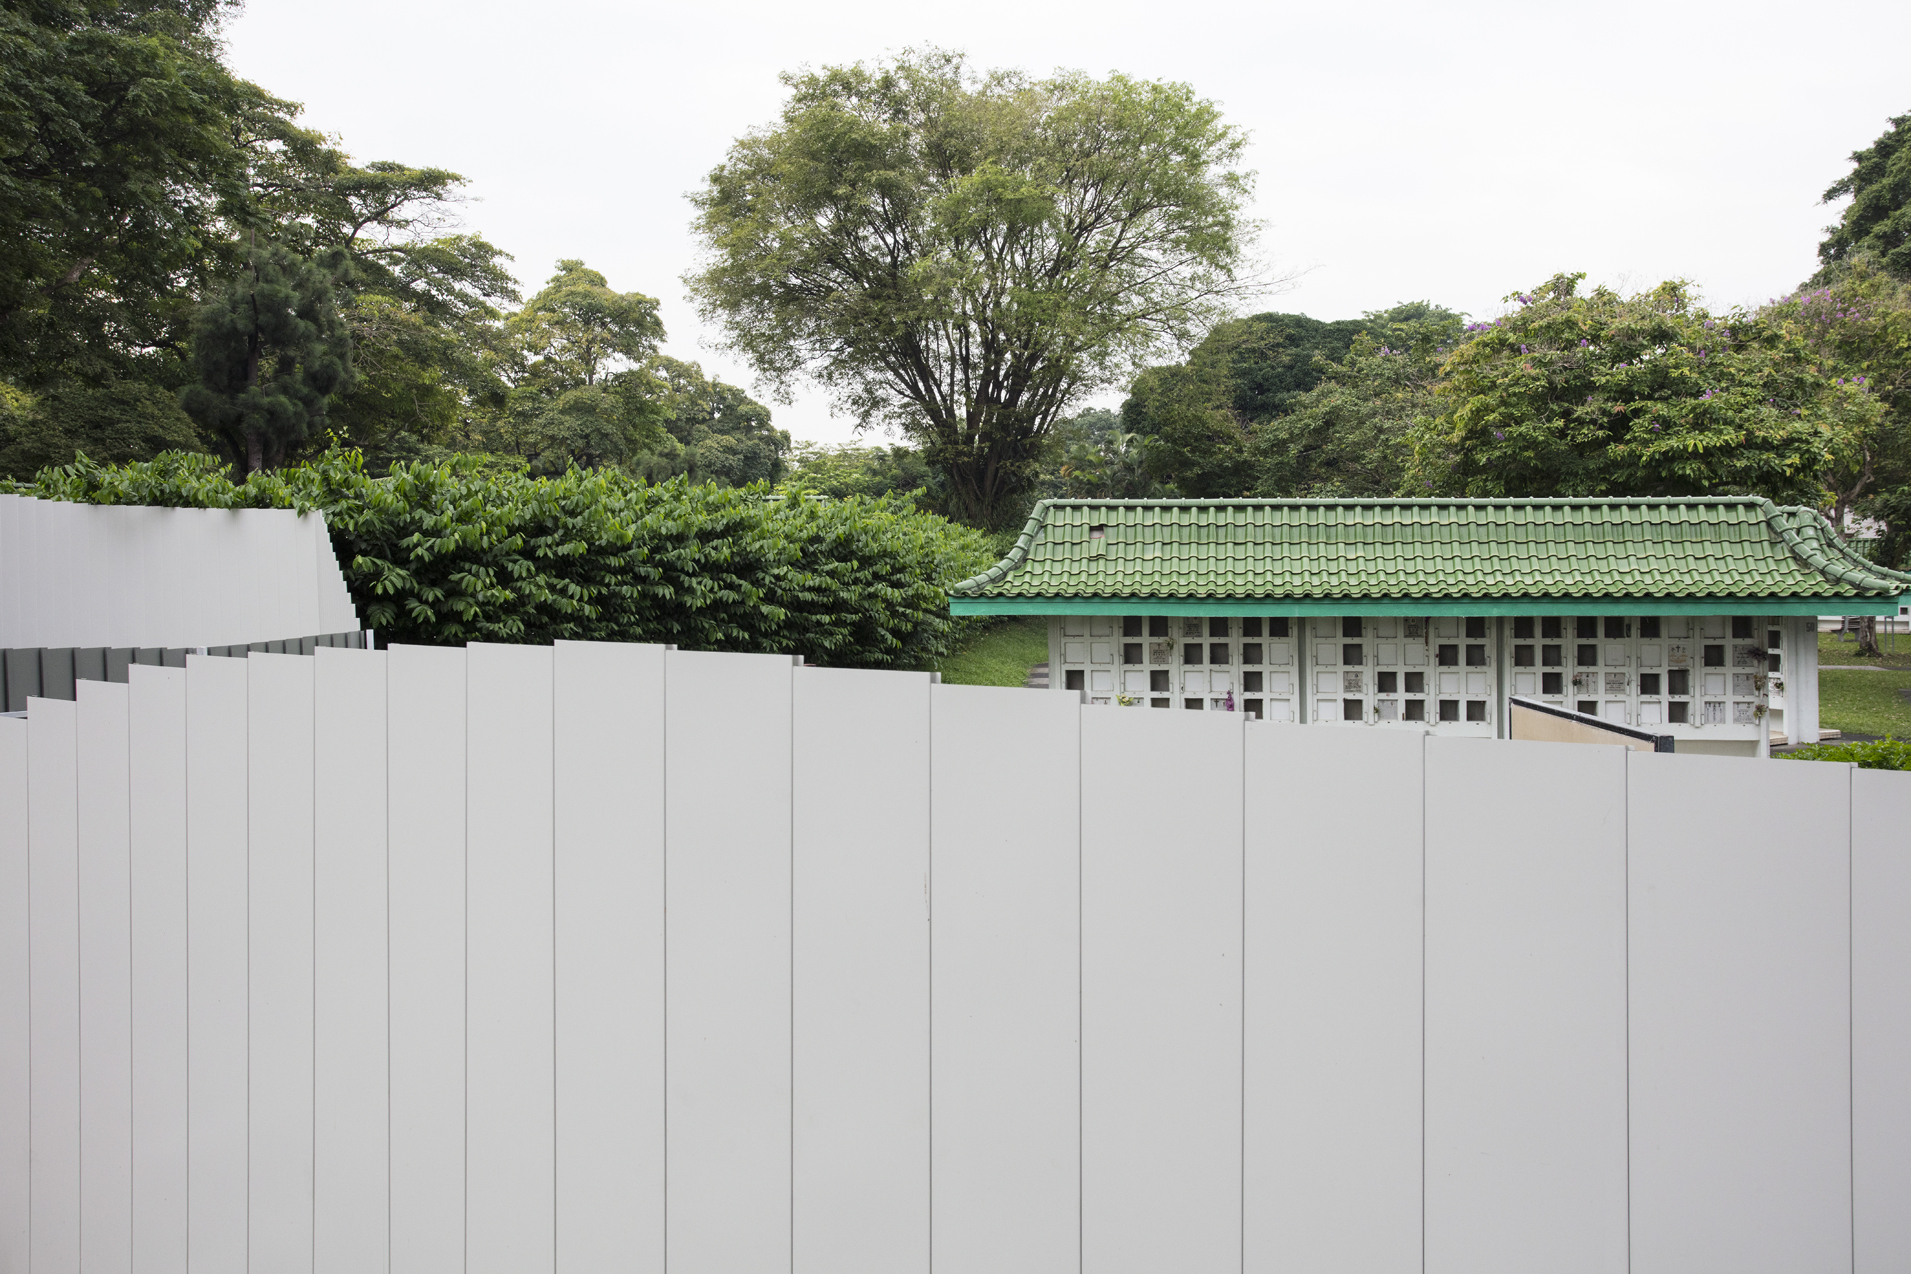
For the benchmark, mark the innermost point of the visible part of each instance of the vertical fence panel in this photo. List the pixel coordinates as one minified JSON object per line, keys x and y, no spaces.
{"x":1161,"y":991}
{"x":860,"y":1021}
{"x":1740,"y":1015}
{"x":53,"y":893}
{"x":16,"y":1067}
{"x":156,"y":727}
{"x":1881,"y":1020}
{"x":1334,"y":909}
{"x":106,"y":993}
{"x":351,"y":1137}
{"x":426,"y":822}
{"x":510,"y":1174}
{"x":1525,"y":1008}
{"x":609,"y":855}
{"x":279,"y":818}
{"x":216,"y":963}
{"x":727,"y":861}
{"x":1005,"y":940}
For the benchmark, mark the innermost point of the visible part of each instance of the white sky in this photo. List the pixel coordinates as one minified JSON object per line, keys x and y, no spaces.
{"x":1453,"y":152}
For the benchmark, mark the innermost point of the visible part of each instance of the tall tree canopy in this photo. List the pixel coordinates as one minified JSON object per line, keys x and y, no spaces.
{"x":962,"y":256}
{"x":1878,"y":220}
{"x":1602,"y":394}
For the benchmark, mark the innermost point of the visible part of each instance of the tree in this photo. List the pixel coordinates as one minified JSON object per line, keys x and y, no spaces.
{"x":113,"y":422}
{"x":579,"y":391}
{"x":1649,"y":395}
{"x":270,"y":350}
{"x":961,"y":257}
{"x":1350,"y":436}
{"x":848,"y":471}
{"x":716,"y":432}
{"x":1878,"y":222}
{"x":115,"y":157}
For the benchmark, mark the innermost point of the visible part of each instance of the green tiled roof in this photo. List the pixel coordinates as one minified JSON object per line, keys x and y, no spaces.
{"x":1239,"y":550}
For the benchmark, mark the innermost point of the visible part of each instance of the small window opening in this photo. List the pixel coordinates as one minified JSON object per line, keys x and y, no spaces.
{"x":1475,"y":627}
{"x":1252,"y":707}
{"x":1161,"y":703}
{"x":1131,"y":625}
{"x":1158,"y":681}
{"x":1350,"y":626}
{"x":1679,"y":682}
{"x":1714,"y":657}
{"x":1586,"y":626}
{"x":1549,"y":626}
{"x":1387,"y":683}
{"x":1072,"y":679}
{"x":1742,"y":626}
{"x":1414,"y":710}
{"x":1353,"y":710}
{"x":1217,"y":628}
{"x":1447,"y":656}
{"x":1097,"y":532}
{"x":1588,"y":656}
{"x":1649,"y":627}
{"x":1677,"y":713}
{"x":1252,"y":682}
{"x":1552,"y":683}
{"x":1523,"y":629}
{"x":1251,"y":627}
{"x":1158,"y":626}
{"x":1476,"y":656}
{"x":1353,"y":653}
{"x":1218,"y":653}
{"x":1589,"y":706}
{"x":1131,"y":652}
{"x":1522,"y":656}
{"x":1416,"y":683}
{"x":1649,"y":683}
{"x":1192,"y":652}
{"x":1277,"y":627}
{"x":1552,"y":656}
{"x":1250,"y":652}
{"x":1476,"y":709}
{"x":1615,"y":627}
{"x":1194,"y":705}
{"x":1449,"y":709}
{"x":1774,"y":639}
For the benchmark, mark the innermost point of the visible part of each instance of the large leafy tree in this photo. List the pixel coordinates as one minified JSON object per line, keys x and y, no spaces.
{"x":1878,"y":220}
{"x":117,"y":156}
{"x":1602,"y":394}
{"x":580,"y":393}
{"x":962,"y":256}
{"x":270,"y":349}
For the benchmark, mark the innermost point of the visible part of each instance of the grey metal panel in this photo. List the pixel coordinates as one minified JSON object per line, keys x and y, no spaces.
{"x":173,"y":658}
{"x":351,"y":1092}
{"x":860,"y":1021}
{"x":156,"y":727}
{"x":1740,"y":1015}
{"x":216,"y":955}
{"x":510,"y":1067}
{"x":54,"y":985}
{"x":259,"y":647}
{"x":56,"y":673}
{"x":16,"y":1120}
{"x":1332,"y":1110}
{"x":1161,"y":992}
{"x":1525,"y":1008}
{"x":306,"y":645}
{"x":1881,"y":1020}
{"x":427,"y":851}
{"x":150,"y":655}
{"x":106,"y":993}
{"x":23,"y":678}
{"x":609,"y":881}
{"x":279,"y":806}
{"x":89,"y":664}
{"x":118,"y":660}
{"x":1005,"y":978}
{"x":728,"y":860}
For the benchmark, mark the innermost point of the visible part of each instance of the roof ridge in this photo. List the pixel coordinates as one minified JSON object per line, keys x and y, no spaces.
{"x":1017,"y":554}
{"x":1857,"y":571}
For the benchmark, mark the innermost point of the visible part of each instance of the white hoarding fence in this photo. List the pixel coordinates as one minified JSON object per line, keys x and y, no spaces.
{"x":593,"y":957}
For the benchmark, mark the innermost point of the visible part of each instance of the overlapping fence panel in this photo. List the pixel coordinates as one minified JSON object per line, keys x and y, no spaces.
{"x":597,"y":956}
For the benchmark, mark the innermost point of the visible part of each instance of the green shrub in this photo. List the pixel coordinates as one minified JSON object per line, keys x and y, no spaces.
{"x":443,"y":554}
{"x":1884,"y":754}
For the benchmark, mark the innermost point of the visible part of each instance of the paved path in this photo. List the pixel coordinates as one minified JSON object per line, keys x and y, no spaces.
{"x":1037,"y":677}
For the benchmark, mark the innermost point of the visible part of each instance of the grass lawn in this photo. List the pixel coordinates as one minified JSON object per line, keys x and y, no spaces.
{"x":1835,"y":649}
{"x":1865,"y":702}
{"x":1001,"y":656}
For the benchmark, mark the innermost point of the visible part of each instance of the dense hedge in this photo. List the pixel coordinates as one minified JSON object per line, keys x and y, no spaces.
{"x":1881,"y":754}
{"x":444,"y":554}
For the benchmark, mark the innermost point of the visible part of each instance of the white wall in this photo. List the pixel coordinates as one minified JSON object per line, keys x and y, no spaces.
{"x":130,"y":575}
{"x":524,"y":958}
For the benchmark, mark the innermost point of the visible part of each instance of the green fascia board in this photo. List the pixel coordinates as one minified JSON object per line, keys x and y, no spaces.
{"x":1444,"y":606}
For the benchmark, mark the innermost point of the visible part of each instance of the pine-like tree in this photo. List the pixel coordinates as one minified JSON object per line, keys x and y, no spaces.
{"x":270,"y":349}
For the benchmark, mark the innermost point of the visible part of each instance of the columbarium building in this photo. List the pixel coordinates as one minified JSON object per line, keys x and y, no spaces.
{"x":1689,"y":618}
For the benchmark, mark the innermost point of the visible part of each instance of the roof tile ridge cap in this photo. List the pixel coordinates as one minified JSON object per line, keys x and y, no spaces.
{"x":1842,"y":547}
{"x":1017,"y":554}
{"x":1813,"y":556}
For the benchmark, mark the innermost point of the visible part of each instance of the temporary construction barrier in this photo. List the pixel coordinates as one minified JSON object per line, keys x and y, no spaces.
{"x":596,"y":957}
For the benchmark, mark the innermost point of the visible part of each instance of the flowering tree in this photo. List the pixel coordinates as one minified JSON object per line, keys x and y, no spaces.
{"x":1599,"y":394}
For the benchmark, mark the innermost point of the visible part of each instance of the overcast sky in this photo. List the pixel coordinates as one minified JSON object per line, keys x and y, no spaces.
{"x":1452,"y":152}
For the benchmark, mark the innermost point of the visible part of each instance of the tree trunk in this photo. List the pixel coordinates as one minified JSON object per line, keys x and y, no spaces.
{"x":1868,"y":637}
{"x":255,"y":451}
